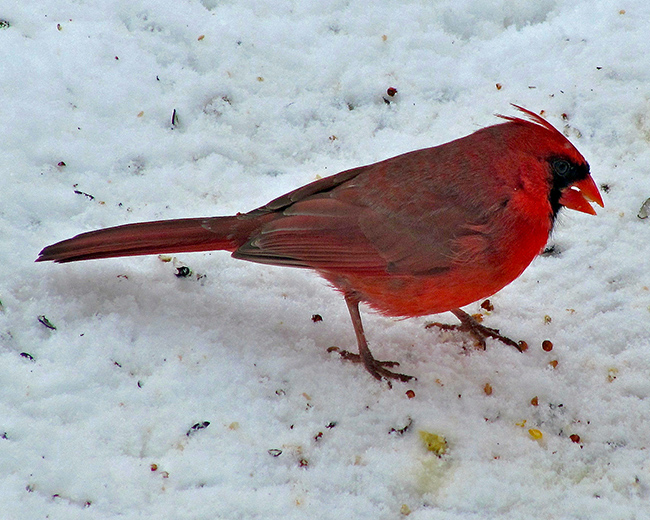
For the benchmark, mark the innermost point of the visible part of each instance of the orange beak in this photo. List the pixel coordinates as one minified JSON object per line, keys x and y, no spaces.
{"x":580,"y":194}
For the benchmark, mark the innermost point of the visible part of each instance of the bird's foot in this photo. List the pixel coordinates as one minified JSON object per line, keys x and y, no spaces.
{"x":478,"y":332}
{"x":376,"y":368}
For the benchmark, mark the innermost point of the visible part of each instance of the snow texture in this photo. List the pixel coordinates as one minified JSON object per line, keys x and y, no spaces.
{"x":97,"y":415}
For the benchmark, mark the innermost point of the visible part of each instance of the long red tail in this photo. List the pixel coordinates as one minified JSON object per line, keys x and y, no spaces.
{"x":147,"y":238}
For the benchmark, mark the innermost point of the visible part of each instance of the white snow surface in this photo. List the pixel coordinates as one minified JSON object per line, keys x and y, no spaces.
{"x":269,"y":95}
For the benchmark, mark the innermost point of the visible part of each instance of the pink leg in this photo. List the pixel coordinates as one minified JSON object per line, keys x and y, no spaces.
{"x":376,"y":368}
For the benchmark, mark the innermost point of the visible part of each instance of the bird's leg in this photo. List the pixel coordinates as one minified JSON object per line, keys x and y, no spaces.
{"x":376,"y":368}
{"x":478,"y":331}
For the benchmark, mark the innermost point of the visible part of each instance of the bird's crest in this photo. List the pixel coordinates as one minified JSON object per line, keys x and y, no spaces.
{"x":532,"y":116}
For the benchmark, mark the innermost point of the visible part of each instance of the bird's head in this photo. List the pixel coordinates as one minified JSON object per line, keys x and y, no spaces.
{"x":571,"y":183}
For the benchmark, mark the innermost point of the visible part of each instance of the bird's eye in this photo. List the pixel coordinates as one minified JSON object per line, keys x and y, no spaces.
{"x":561,"y":167}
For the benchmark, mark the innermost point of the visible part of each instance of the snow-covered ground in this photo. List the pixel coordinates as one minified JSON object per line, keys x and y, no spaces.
{"x":97,"y":416}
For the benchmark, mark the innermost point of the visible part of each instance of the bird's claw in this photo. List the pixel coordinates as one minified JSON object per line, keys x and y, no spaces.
{"x":374,"y":366}
{"x":478,"y":332}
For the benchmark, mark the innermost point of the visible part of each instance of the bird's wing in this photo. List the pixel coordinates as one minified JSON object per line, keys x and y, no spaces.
{"x":369,"y":223}
{"x":319,"y":233}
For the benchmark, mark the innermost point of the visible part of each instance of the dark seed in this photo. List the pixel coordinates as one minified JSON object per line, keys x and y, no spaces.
{"x":487,"y":305}
{"x":183,"y":272}
{"x":402,"y":431}
{"x":197,"y":427}
{"x":44,"y":321}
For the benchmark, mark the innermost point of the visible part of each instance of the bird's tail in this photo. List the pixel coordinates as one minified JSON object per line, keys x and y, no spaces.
{"x":147,"y":238}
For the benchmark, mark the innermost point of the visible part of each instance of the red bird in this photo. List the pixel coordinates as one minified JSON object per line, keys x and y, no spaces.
{"x":422,"y":233}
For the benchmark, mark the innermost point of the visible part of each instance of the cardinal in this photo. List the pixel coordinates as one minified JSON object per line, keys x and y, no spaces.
{"x":422,"y":233}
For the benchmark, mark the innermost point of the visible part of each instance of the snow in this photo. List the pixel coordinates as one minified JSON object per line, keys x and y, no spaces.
{"x":269,"y":95}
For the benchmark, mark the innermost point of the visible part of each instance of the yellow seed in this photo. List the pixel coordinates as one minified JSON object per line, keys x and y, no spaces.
{"x":521,"y":424}
{"x":434,"y":442}
{"x":405,"y":510}
{"x":535,"y":434}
